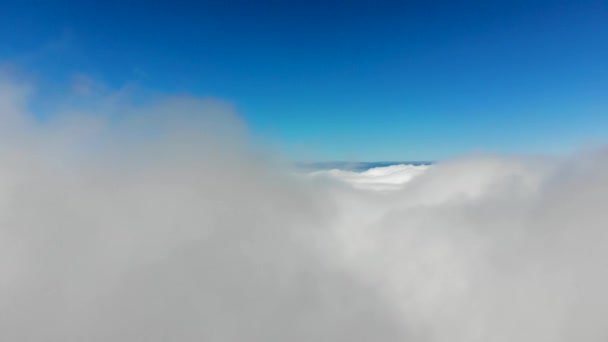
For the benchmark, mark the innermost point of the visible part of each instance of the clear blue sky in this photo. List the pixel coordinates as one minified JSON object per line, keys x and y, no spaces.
{"x":346,"y":80}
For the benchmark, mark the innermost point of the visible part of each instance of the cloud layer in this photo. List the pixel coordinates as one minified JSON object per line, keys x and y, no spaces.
{"x":157,"y":222}
{"x":377,"y":178}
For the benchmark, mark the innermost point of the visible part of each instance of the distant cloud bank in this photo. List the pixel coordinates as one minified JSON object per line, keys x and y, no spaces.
{"x":383,"y":177}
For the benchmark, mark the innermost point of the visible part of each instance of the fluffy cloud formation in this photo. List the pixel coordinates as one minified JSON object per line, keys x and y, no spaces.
{"x":156,"y":222}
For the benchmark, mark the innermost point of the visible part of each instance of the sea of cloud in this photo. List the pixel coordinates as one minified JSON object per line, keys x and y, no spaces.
{"x":156,"y":221}
{"x":377,"y":178}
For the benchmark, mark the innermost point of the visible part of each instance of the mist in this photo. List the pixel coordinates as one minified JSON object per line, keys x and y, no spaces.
{"x":159,"y":220}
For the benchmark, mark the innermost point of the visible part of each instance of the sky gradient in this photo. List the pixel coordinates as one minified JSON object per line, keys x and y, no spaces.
{"x":343,"y":80}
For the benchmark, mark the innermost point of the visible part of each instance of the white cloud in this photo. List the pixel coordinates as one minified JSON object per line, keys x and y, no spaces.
{"x":379,"y":178}
{"x":156,"y":222}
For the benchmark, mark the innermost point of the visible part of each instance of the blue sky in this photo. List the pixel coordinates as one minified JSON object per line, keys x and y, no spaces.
{"x":345,"y":80}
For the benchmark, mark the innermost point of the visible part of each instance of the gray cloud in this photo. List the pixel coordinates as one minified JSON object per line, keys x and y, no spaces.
{"x":157,"y":222}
